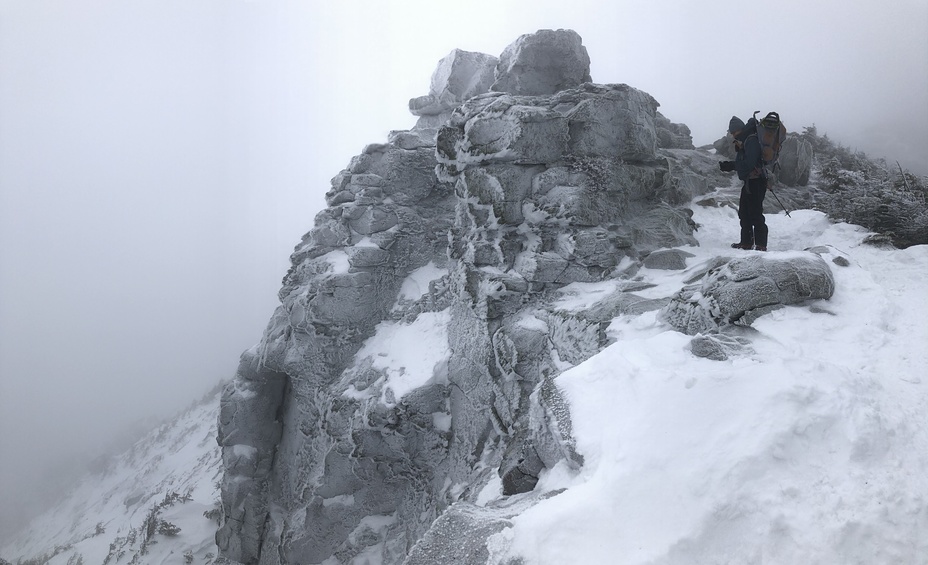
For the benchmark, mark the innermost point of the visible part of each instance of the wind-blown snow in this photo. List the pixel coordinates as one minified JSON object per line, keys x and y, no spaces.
{"x":813,"y":448}
{"x":416,"y":285}
{"x":580,"y":296}
{"x":408,"y":353}
{"x":338,"y":261}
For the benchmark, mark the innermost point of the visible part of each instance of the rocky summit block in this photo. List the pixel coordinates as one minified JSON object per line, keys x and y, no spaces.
{"x":460,"y":76}
{"x":614,"y":122}
{"x":741,"y":290}
{"x":543,"y":63}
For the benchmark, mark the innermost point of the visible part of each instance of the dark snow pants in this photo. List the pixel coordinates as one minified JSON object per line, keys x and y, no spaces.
{"x":751,"y":213}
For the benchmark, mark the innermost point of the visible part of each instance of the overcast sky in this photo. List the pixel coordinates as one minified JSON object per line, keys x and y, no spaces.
{"x":159,"y":159}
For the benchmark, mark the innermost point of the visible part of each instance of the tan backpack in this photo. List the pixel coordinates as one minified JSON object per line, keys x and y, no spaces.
{"x":771,"y":133}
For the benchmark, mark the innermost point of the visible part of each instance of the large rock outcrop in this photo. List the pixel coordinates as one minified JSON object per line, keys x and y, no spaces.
{"x":340,"y":446}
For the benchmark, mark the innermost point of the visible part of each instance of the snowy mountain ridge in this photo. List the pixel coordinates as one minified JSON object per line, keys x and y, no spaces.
{"x":155,"y":503}
{"x":518,"y":336}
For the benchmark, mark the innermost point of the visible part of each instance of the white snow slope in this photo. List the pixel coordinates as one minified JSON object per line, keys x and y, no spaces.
{"x":811,"y":447}
{"x":168,"y":478}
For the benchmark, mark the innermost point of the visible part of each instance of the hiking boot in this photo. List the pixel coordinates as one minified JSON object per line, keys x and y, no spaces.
{"x":742,"y":246}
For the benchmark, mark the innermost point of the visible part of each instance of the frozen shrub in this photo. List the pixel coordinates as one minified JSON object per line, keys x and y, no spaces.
{"x":853,"y":188}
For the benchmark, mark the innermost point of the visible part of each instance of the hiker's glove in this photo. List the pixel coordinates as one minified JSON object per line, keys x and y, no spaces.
{"x":726,"y":166}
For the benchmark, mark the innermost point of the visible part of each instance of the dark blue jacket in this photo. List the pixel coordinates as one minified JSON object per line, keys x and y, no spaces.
{"x":747,"y":162}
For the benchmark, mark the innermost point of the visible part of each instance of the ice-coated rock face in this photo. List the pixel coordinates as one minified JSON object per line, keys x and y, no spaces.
{"x":541,"y":63}
{"x":741,"y":290}
{"x":460,"y":76}
{"x":672,"y":136}
{"x":466,"y":244}
{"x":795,"y":162}
{"x":591,"y":122}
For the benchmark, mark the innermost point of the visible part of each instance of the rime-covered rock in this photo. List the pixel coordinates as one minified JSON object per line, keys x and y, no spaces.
{"x":459,"y":536}
{"x":667,"y":259}
{"x":795,"y":162}
{"x":725,"y":147}
{"x":589,"y":122}
{"x":460,"y":76}
{"x":718,"y":346}
{"x":544,"y":62}
{"x":671,"y":135}
{"x":741,"y":290}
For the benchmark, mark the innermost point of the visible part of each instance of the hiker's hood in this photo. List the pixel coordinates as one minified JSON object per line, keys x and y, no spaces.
{"x":749,"y":128}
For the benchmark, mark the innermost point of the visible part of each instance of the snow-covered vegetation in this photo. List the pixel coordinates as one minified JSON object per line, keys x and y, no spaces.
{"x":155,"y":503}
{"x":876,"y":194}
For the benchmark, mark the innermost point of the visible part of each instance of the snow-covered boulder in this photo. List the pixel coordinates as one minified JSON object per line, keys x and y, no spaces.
{"x":669,"y":259}
{"x":741,"y":290}
{"x":544,"y":62}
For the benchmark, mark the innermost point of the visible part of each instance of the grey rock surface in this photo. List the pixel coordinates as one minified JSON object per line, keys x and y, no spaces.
{"x":460,"y":76}
{"x":724,"y":147}
{"x":719,"y":346}
{"x":795,"y":162}
{"x":541,"y":63}
{"x":459,"y":536}
{"x":671,"y":135}
{"x":668,"y":259}
{"x":741,"y":290}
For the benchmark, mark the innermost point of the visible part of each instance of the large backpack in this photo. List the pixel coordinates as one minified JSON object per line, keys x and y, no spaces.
{"x":771,"y":133}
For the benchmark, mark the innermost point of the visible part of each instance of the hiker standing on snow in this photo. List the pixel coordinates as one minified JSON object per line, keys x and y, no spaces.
{"x":748,"y":165}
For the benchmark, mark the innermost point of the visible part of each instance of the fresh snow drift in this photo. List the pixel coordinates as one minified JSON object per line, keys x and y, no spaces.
{"x":812,"y":448}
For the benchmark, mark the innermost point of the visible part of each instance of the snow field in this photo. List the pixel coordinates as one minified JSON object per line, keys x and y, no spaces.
{"x":812,"y":448}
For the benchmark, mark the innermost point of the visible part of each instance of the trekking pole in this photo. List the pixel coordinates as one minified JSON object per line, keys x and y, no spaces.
{"x":781,"y":203}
